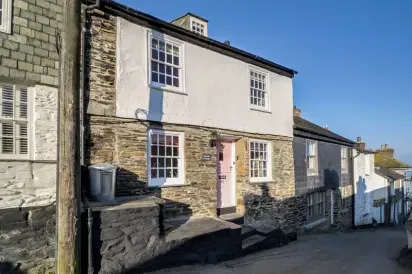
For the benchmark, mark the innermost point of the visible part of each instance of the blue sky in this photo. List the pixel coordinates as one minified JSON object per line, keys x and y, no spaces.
{"x":354,"y":57}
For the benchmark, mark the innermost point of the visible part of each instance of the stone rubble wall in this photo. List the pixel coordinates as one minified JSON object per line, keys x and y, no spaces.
{"x":123,"y":142}
{"x":130,"y":238}
{"x":27,"y":239}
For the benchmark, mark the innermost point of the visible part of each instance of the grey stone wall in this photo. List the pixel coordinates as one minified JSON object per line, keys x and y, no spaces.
{"x":131,"y":238}
{"x":29,"y":52}
{"x":330,"y":177}
{"x":27,"y":239}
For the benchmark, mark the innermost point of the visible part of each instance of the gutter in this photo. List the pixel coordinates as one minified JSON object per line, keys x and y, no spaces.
{"x":315,"y":136}
{"x":152,"y":22}
{"x":81,"y":117}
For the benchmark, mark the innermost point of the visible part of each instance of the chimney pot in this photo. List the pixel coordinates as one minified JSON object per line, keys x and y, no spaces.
{"x":297,"y":112}
{"x":227,"y":42}
{"x":359,"y":139}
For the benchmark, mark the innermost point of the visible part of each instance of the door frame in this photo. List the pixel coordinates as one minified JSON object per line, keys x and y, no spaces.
{"x":232,"y":207}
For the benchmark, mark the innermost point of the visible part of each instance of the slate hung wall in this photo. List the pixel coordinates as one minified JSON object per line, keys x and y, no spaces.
{"x":330,"y":180}
{"x":28,"y":86}
{"x":119,"y":117}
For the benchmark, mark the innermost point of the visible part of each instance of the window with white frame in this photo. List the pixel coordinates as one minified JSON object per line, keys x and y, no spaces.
{"x":197,"y":27}
{"x":5,"y":15}
{"x":166,"y":159}
{"x":316,"y":206}
{"x":258,"y":89}
{"x":344,"y":159}
{"x":14,"y":121}
{"x":311,"y":156}
{"x":165,"y":63}
{"x":260,"y":161}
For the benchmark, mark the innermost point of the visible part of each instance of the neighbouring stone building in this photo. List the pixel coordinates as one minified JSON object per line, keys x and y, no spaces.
{"x":323,"y":177}
{"x":199,"y":123}
{"x":28,"y":124}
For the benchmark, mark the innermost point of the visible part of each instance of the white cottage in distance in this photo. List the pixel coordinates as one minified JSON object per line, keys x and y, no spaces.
{"x":378,"y":190}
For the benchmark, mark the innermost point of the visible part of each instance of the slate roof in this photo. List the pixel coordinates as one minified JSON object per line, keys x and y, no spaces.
{"x":387,"y":173}
{"x":152,"y":22}
{"x":304,"y":128}
{"x":388,"y":162}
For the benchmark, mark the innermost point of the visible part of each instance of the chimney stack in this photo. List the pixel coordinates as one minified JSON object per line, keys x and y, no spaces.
{"x":296,"y":112}
{"x":386,"y":150}
{"x":359,"y":144}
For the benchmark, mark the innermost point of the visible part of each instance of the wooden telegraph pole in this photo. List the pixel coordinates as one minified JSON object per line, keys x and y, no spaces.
{"x":68,"y":200}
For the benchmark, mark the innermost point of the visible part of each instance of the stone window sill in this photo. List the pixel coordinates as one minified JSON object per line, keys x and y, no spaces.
{"x":170,"y":185}
{"x":316,"y":223}
{"x":262,"y":182}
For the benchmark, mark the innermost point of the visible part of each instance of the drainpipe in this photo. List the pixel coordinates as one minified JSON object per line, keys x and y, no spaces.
{"x":81,"y":117}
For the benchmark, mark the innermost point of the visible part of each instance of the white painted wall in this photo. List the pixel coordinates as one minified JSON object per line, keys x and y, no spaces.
{"x":217,"y":88}
{"x":368,"y":187}
{"x":32,"y":182}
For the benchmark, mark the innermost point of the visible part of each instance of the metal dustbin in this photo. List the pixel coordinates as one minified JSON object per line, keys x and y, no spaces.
{"x":102,"y":181}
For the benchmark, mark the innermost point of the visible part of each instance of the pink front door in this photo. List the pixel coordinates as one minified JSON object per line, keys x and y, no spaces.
{"x":225,"y":174}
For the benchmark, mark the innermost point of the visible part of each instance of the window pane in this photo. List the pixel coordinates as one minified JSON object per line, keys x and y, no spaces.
{"x":161,"y":173}
{"x":155,"y":54}
{"x":154,"y":150}
{"x":153,"y":173}
{"x":175,"y":51}
{"x":162,"y":79}
{"x":168,"y":70}
{"x":162,"y":56}
{"x":175,"y":140}
{"x":168,"y":173}
{"x":162,"y":68}
{"x":162,"y":45}
{"x":175,"y":151}
{"x":169,"y":59}
{"x":168,"y":162}
{"x":169,"y":48}
{"x":155,"y":77}
{"x":169,"y":80}
{"x":174,"y":162}
{"x":176,"y":60}
{"x":176,"y":82}
{"x":168,"y":151}
{"x":153,"y":162}
{"x":155,"y":66}
{"x":155,"y":44}
{"x":161,"y":151}
{"x":154,"y":138}
{"x":175,"y":173}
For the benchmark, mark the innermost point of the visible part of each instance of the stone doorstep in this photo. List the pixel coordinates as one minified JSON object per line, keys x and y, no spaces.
{"x":200,"y":226}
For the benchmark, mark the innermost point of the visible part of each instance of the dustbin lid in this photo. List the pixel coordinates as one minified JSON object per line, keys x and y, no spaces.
{"x":103,"y":166}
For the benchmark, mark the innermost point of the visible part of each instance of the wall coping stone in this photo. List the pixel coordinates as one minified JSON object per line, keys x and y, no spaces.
{"x":316,"y":223}
{"x":123,"y":202}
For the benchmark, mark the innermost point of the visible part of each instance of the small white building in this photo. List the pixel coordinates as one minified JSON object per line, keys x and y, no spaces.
{"x":378,"y":190}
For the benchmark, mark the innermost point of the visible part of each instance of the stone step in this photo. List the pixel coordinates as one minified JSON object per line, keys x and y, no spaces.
{"x":233,"y":218}
{"x":275,"y":234}
{"x":253,"y":243}
{"x":248,"y":231}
